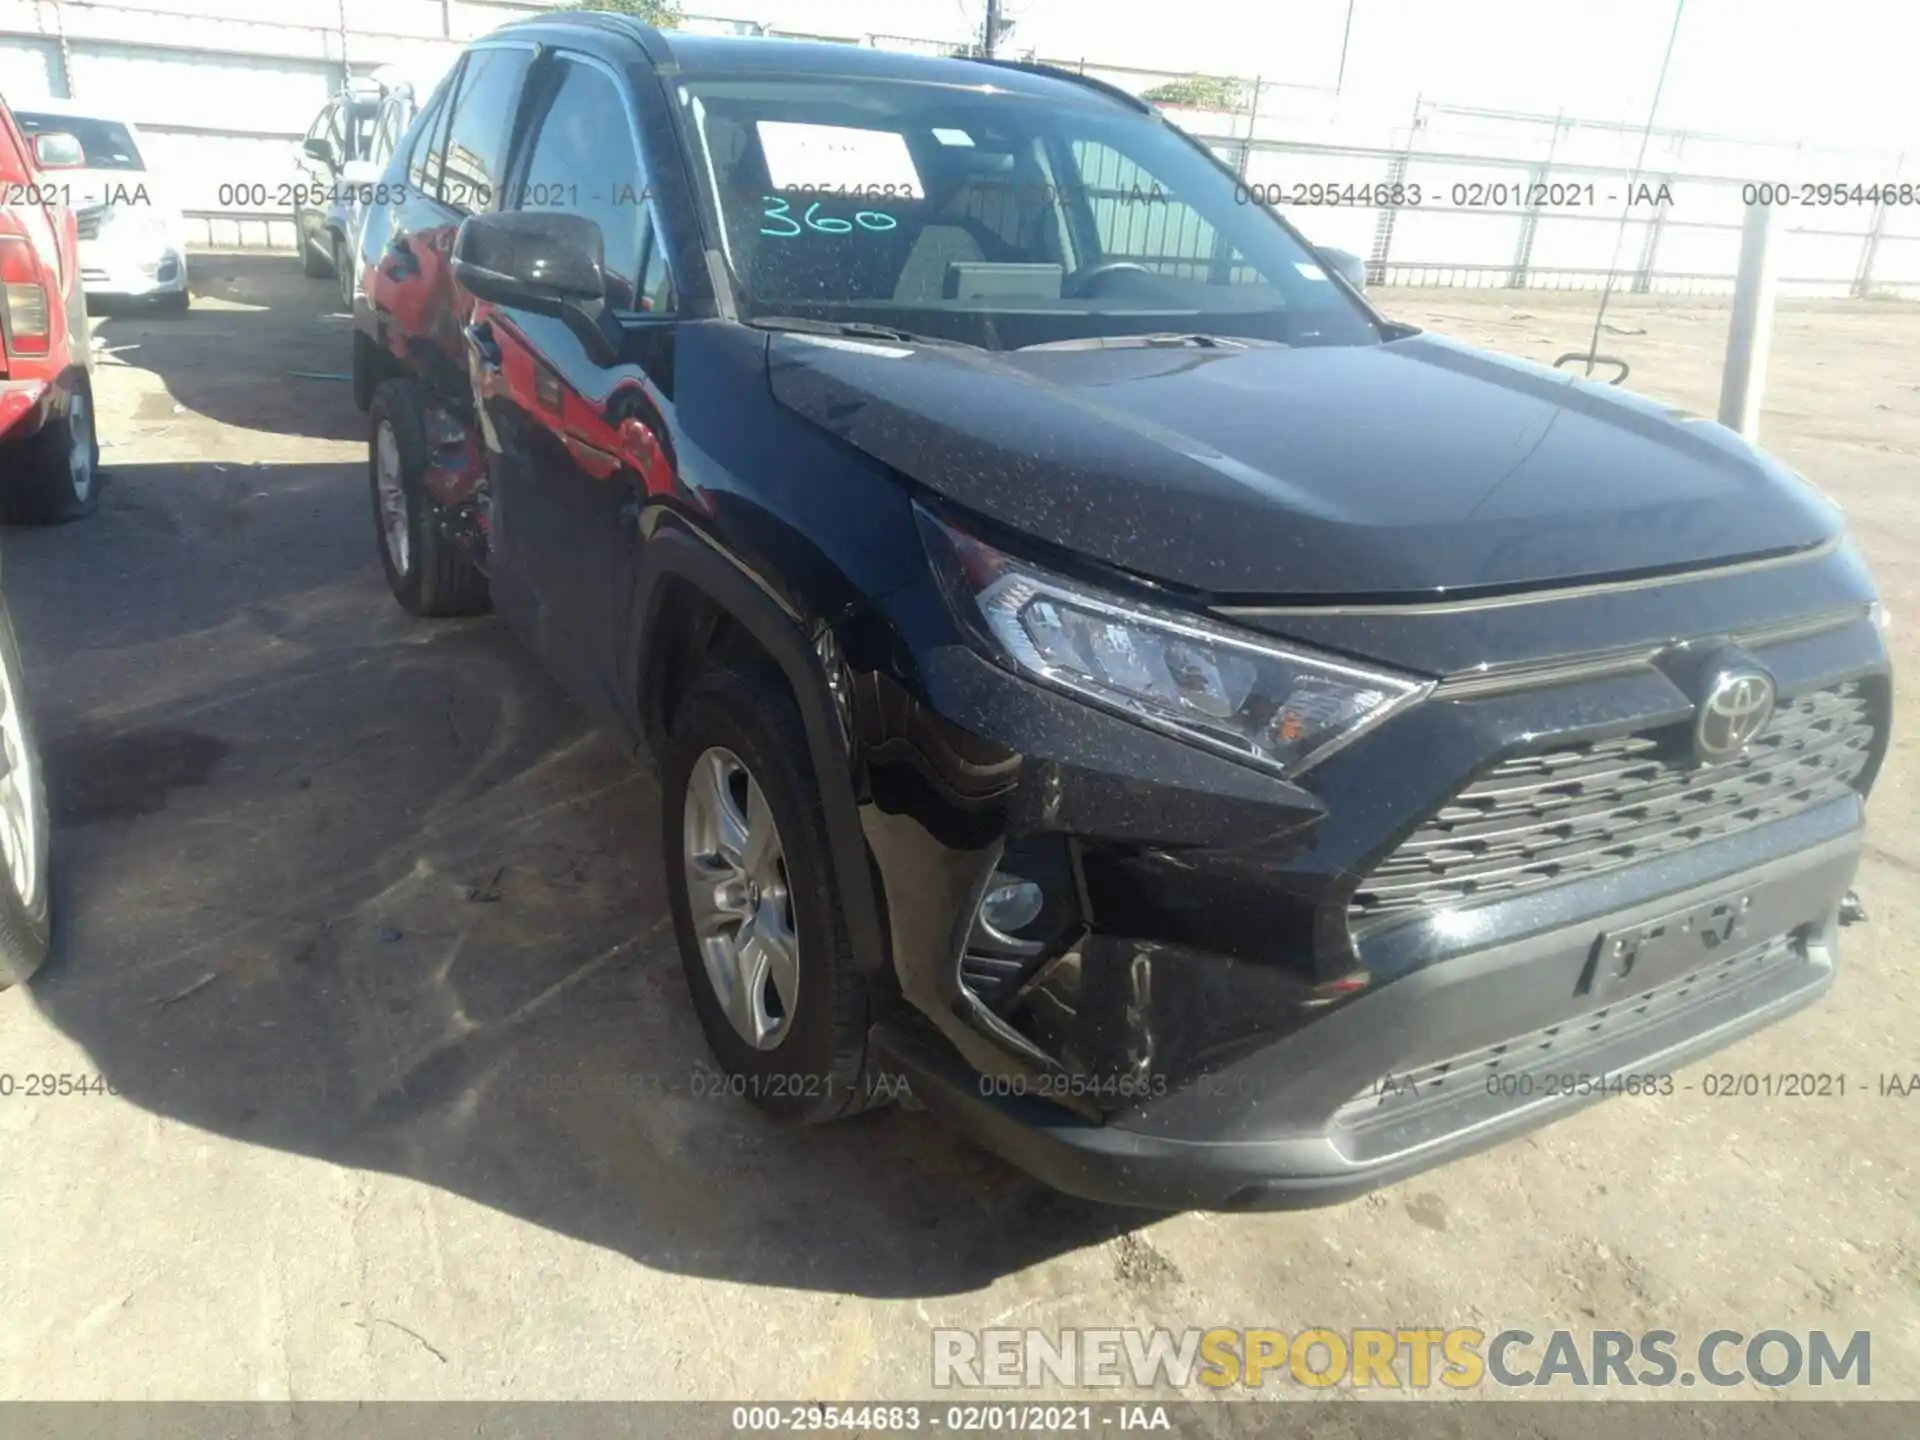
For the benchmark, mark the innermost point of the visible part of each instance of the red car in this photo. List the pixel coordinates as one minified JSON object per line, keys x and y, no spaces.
{"x":49,"y":454}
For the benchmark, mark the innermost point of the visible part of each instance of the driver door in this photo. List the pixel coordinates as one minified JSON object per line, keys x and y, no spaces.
{"x":577,"y":440}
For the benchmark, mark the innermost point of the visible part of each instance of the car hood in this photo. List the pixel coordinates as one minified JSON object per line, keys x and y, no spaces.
{"x":1416,"y":467}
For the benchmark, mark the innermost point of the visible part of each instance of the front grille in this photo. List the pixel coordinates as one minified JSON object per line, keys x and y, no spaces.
{"x":1544,"y":818}
{"x":89,"y":221}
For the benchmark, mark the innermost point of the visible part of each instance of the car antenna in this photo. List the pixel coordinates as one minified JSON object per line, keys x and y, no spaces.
{"x":1592,"y":354}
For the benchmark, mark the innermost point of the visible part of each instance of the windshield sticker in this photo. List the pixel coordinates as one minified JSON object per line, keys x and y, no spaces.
{"x":952,"y":137}
{"x":781,"y":223}
{"x":1310,"y":270}
{"x":839,"y":157}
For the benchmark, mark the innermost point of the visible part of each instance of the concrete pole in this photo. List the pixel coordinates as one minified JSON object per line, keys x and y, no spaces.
{"x":65,"y":55}
{"x":1346,"y":38}
{"x":1750,"y":332}
{"x":1253,"y":123}
{"x":346,"y":67}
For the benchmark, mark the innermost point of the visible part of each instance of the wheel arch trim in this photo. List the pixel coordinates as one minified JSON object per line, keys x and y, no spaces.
{"x":676,"y":551}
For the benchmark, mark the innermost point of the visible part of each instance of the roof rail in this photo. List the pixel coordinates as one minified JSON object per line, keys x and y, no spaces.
{"x":1035,"y":67}
{"x":606,"y":22}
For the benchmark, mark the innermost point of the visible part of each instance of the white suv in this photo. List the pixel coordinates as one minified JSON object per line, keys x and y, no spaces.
{"x":366,"y":121}
{"x":132,"y":240}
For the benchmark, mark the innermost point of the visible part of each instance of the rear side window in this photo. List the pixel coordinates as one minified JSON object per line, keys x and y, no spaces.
{"x":386,"y":138}
{"x":359,"y":120}
{"x":423,"y":170}
{"x":483,"y":110}
{"x":336,"y":136}
{"x":585,"y":160}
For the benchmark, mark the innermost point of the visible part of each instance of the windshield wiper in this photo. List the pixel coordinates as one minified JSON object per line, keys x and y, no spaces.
{"x":851,"y":329}
{"x":1171,"y":340}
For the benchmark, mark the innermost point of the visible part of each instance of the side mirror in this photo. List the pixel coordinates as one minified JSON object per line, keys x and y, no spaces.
{"x":543,"y":262}
{"x":57,"y":150}
{"x":1350,"y":266}
{"x":318,"y":147}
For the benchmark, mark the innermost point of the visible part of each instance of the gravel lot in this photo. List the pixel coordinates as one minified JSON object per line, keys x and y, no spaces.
{"x":367,"y":929}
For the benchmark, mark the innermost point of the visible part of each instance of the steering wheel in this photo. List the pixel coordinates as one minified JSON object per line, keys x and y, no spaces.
{"x":1085,"y":280}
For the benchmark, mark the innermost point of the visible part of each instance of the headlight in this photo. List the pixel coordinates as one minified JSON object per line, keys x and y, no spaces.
{"x":1270,"y":704}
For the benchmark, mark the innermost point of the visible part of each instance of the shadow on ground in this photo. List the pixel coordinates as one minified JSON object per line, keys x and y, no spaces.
{"x":367,"y":888}
{"x":234,"y":357}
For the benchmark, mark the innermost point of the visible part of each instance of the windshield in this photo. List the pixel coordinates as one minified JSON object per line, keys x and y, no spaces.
{"x":998,"y":220}
{"x":106,"y":143}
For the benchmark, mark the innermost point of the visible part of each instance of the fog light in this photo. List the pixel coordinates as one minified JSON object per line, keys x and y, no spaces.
{"x":1011,"y":904}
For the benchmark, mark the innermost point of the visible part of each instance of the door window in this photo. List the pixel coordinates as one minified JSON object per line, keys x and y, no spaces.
{"x":482,"y":124}
{"x":656,"y":291}
{"x":585,"y":161}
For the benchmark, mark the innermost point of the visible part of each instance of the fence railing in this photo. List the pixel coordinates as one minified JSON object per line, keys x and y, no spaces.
{"x":1449,"y":217}
{"x":1440,"y":195}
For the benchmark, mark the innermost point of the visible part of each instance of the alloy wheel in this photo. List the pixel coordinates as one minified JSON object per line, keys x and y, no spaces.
{"x":738,"y":893}
{"x":392,"y":489}
{"x":80,"y":446}
{"x":20,"y":822}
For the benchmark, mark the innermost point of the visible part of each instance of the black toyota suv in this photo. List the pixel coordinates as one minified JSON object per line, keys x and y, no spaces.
{"x":1217,"y":746}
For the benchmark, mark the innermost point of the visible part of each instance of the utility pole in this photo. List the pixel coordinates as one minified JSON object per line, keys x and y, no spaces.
{"x":993,"y":29}
{"x":346,"y":66}
{"x":990,"y":35}
{"x":1750,"y":332}
{"x":1346,"y":38}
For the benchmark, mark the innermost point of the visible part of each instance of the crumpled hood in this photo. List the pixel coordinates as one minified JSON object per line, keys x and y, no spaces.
{"x":1416,"y":467}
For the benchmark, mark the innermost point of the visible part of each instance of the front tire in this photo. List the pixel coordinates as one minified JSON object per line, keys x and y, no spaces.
{"x":425,"y":569}
{"x":60,"y":479}
{"x":755,"y":912}
{"x":343,"y":273}
{"x":313,"y":264}
{"x":25,"y":889}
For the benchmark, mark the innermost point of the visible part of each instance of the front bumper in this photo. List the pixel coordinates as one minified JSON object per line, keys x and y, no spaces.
{"x":1446,"y":1061}
{"x":132,"y":272}
{"x":25,"y":408}
{"x":1216,"y":1029}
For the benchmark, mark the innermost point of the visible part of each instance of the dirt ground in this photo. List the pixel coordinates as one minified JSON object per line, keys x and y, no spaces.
{"x":367,"y":929}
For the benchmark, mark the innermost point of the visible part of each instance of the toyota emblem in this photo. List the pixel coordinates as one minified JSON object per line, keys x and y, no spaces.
{"x":1737,"y":707}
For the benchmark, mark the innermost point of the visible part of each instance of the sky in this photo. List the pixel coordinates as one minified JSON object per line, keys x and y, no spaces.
{"x":1831,"y":72}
